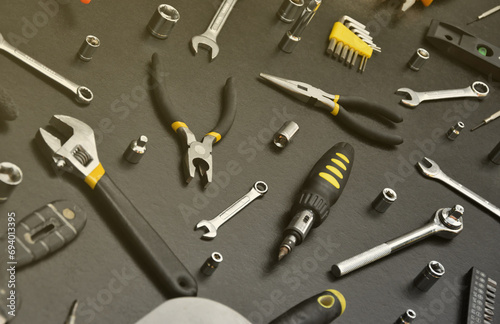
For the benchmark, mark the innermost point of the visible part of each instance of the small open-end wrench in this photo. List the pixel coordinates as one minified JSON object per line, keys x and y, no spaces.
{"x":446,"y":223}
{"x":83,"y":94}
{"x":257,"y":191}
{"x":477,"y":90}
{"x":209,"y":38}
{"x":432,"y":170}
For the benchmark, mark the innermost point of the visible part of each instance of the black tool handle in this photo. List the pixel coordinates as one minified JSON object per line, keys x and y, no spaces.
{"x":369,"y":107}
{"x":326,"y":181}
{"x":387,"y":139}
{"x":165,"y":266}
{"x":322,"y":308}
{"x":163,"y":102}
{"x":228,"y":109}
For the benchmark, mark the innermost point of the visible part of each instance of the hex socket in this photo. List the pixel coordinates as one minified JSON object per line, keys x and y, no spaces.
{"x":289,"y":9}
{"x":429,"y":276}
{"x":384,"y":200}
{"x":284,"y":135}
{"x":418,"y":59}
{"x":211,"y":264}
{"x":88,"y":48}
{"x":163,"y":21}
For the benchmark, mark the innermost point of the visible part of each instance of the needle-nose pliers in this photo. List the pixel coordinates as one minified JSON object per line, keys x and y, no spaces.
{"x":336,"y":105}
{"x":198,"y":154}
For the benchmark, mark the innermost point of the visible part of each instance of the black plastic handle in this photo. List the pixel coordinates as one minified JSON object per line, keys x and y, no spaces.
{"x":174,"y":278}
{"x":163,"y":102}
{"x":369,"y":107}
{"x":228,"y":109}
{"x":326,"y":181}
{"x":387,"y":139}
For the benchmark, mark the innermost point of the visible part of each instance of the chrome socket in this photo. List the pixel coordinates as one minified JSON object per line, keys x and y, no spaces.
{"x":89,"y":46}
{"x":407,"y":317}
{"x":284,"y":135}
{"x":418,"y":59}
{"x":136,"y":150}
{"x":289,"y":9}
{"x":211,"y":264}
{"x":429,"y":276}
{"x":455,"y":130}
{"x":10,"y":176}
{"x":163,"y":21}
{"x":384,"y":200}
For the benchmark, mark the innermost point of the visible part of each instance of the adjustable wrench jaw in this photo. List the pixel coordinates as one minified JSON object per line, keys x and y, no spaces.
{"x":78,"y":154}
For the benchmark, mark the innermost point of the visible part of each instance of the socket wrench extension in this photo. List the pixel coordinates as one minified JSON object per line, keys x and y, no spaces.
{"x":431,"y":170}
{"x":477,"y":90}
{"x":258,"y":190}
{"x":83,"y":94}
{"x":446,"y":223}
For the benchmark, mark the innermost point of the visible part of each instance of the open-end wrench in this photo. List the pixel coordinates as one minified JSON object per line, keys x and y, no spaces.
{"x":209,"y":38}
{"x":431,"y":169}
{"x":477,"y":90}
{"x":257,"y":191}
{"x":83,"y":94}
{"x":446,"y":223}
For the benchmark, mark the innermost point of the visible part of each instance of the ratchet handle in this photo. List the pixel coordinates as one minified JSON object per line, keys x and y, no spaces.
{"x":163,"y":102}
{"x":228,"y":111}
{"x":166,"y":267}
{"x":360,"y":260}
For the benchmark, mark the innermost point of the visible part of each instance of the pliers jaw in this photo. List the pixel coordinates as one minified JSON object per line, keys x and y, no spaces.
{"x":199,"y":156}
{"x":78,"y":154}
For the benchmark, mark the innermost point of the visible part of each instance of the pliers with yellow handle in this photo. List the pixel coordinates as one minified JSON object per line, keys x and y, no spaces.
{"x":198,"y":154}
{"x":336,"y":105}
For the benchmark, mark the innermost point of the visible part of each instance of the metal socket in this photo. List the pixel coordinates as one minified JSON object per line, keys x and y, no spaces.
{"x":136,"y":150}
{"x":407,"y":317}
{"x":10,"y":176}
{"x":384,"y":200}
{"x":89,"y":46}
{"x":494,"y":155}
{"x":429,"y":276}
{"x":418,"y":59}
{"x":212,"y":263}
{"x":289,"y":9}
{"x":163,"y":21}
{"x":293,"y":36}
{"x":455,"y":130}
{"x":284,"y":135}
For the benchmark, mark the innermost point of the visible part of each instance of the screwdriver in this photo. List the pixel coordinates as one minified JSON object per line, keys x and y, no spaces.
{"x":487,"y":120}
{"x":485,"y":14}
{"x":320,"y":191}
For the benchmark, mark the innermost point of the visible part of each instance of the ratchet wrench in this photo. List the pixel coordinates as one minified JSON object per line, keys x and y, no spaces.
{"x":209,"y":38}
{"x":83,"y":94}
{"x":257,"y":191}
{"x":477,"y":90}
{"x":431,"y":169}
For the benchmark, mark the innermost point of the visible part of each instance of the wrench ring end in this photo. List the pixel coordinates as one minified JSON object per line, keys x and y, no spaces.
{"x":261,"y":187}
{"x":480,"y":88}
{"x":84,"y":95}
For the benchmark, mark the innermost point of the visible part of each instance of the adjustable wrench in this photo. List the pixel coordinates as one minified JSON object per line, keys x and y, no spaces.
{"x":257,"y":191}
{"x":431,"y":169}
{"x":477,"y":90}
{"x":83,"y":94}
{"x":209,"y":38}
{"x":446,"y":223}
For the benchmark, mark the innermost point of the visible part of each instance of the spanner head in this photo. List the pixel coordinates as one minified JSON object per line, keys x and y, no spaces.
{"x":207,"y":43}
{"x":414,"y":98}
{"x":84,"y":95}
{"x":429,"y":168}
{"x":211,"y":230}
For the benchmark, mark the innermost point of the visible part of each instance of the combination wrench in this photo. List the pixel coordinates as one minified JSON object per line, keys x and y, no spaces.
{"x":432,"y":170}
{"x":446,"y":223}
{"x":257,"y":191}
{"x":477,"y":90}
{"x":209,"y":38}
{"x":83,"y":94}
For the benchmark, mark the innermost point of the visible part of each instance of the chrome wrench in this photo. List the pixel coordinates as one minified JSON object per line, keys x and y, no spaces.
{"x":257,"y":191}
{"x":209,"y":38}
{"x":431,"y":169}
{"x":477,"y":90}
{"x":83,"y":94}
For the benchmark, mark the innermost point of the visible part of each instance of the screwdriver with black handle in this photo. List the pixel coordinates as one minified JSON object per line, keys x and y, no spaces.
{"x":320,"y":191}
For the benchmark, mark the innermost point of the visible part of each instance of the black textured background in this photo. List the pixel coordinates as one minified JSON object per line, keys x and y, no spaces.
{"x":249,"y":280}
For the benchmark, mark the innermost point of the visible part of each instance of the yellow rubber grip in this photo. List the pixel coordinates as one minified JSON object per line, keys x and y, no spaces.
{"x":340,"y":297}
{"x":217,"y":136}
{"x":343,"y":34}
{"x":93,"y":178}
{"x":328,"y":177}
{"x":178,"y":124}
{"x":336,"y":108}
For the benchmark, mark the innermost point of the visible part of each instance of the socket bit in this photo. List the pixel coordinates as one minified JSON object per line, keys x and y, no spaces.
{"x":384,"y":200}
{"x":293,"y":36}
{"x":163,"y":21}
{"x":284,"y":135}
{"x":89,"y":46}
{"x":211,"y":264}
{"x":429,"y":276}
{"x":407,"y":317}
{"x":455,"y":130}
{"x":446,"y":223}
{"x":289,"y":9}
{"x":136,"y":150}
{"x":10,"y":176}
{"x":418,"y":59}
